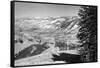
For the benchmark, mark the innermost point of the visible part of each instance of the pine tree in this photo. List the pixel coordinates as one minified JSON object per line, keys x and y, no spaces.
{"x":88,"y":32}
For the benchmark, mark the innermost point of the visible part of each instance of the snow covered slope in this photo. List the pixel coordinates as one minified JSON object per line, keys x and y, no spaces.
{"x":39,"y":37}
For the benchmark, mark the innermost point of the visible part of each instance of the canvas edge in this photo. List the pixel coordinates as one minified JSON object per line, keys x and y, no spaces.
{"x":12,"y":34}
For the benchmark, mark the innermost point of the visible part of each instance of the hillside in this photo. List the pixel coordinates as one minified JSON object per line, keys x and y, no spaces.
{"x":44,"y":37}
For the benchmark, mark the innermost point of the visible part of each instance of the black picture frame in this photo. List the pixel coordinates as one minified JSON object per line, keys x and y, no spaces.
{"x":12,"y":7}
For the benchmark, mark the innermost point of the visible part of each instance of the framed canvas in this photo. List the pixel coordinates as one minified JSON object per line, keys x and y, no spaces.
{"x":52,"y":33}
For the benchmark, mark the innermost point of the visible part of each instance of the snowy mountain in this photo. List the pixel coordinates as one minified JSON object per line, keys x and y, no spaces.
{"x":41,"y":22}
{"x":45,"y":36}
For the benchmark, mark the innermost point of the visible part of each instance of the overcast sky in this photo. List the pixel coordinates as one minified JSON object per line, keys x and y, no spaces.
{"x":44,"y":10}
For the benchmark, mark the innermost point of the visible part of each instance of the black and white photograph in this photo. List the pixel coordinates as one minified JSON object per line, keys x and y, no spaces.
{"x":53,"y":33}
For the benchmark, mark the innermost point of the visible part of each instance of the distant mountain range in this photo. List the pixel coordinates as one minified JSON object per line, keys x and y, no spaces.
{"x":43,"y":23}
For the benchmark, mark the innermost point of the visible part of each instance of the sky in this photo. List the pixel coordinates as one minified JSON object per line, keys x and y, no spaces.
{"x":23,"y":9}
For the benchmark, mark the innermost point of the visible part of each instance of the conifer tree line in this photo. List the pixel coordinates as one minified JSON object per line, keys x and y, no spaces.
{"x":88,"y":33}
